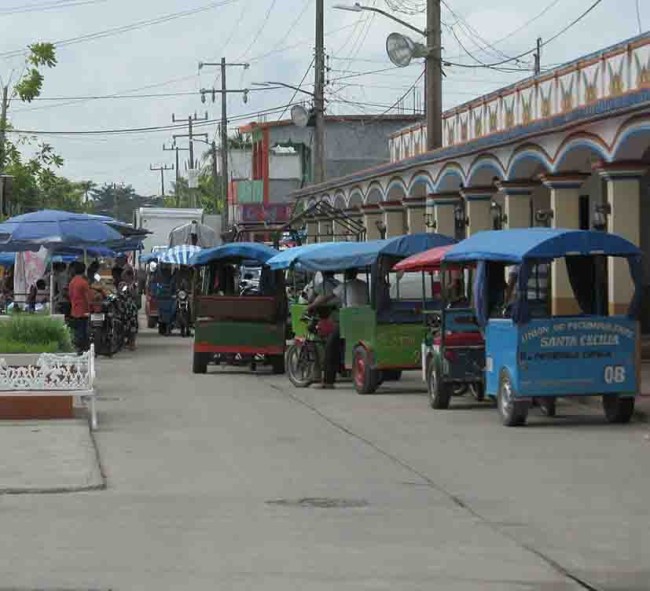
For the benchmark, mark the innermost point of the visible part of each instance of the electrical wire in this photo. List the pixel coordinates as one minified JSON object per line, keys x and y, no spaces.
{"x":295,"y":93}
{"x":638,"y":15}
{"x":141,"y":130}
{"x":259,"y":31}
{"x":46,"y":7}
{"x":530,"y":51}
{"x":127,"y":28}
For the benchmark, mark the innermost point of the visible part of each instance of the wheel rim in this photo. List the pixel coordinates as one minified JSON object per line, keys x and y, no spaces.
{"x":505,"y":400}
{"x":359,"y":370}
{"x":433,"y":383}
{"x":299,"y":370}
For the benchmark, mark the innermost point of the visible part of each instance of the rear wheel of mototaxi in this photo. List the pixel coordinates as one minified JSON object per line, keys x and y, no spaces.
{"x":277,"y":364}
{"x":618,"y":409}
{"x":366,"y":379}
{"x":301,"y":365}
{"x":200,"y":362}
{"x":439,"y":391}
{"x":513,"y":412}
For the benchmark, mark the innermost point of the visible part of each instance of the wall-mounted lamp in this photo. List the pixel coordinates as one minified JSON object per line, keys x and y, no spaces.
{"x":543,"y":217}
{"x":429,"y":221}
{"x":381,"y":226}
{"x":498,"y":217}
{"x":460,"y":217}
{"x":599,"y":219}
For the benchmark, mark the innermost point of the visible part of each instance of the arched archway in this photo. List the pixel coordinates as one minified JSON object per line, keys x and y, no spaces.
{"x":632,"y":141}
{"x":528,"y":162}
{"x":374,"y":194}
{"x":356,"y":198}
{"x":484,"y":170}
{"x":339,"y":201}
{"x":421,"y":185}
{"x":451,"y":178}
{"x":396,"y":190}
{"x":579,"y":154}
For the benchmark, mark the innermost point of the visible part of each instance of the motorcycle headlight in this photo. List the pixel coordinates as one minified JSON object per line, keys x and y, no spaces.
{"x":182,"y":294}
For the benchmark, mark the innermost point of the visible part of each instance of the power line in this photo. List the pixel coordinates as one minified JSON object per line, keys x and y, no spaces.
{"x":47,"y":6}
{"x":530,"y":51}
{"x":260,"y":30}
{"x":638,"y":16}
{"x":295,"y":93}
{"x":127,"y":28}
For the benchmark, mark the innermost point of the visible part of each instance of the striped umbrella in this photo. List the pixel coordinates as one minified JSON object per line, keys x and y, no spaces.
{"x":178,"y":255}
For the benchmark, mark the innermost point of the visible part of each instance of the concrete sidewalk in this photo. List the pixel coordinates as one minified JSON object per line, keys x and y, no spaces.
{"x":48,"y":457}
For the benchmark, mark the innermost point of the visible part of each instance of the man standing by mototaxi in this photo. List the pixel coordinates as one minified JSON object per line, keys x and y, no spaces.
{"x":80,"y":297}
{"x":352,"y":292}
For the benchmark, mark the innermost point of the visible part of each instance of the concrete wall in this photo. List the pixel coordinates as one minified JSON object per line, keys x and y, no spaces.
{"x":284,"y":166}
{"x":240,"y":164}
{"x":279,"y":189}
{"x":350,"y":146}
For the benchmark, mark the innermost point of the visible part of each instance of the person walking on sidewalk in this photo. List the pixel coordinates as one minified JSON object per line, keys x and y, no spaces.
{"x":80,"y":296}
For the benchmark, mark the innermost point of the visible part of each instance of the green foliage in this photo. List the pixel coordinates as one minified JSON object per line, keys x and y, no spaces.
{"x":118,"y":201}
{"x":30,"y":85}
{"x":26,"y":333}
{"x":181,"y":194}
{"x":35,"y":184}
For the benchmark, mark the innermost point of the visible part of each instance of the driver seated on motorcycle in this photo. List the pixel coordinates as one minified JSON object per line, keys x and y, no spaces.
{"x":352,"y":292}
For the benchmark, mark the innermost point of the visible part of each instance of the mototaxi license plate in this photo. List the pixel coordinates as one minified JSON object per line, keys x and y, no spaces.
{"x":97,"y":318}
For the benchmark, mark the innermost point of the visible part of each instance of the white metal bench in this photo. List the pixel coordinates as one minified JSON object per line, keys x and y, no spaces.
{"x":53,"y":374}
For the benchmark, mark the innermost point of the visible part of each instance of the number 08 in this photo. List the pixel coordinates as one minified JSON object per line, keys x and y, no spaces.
{"x":614,"y":374}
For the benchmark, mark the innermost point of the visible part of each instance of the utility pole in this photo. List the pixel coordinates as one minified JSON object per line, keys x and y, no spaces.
{"x":191,"y":119}
{"x":225,"y":214}
{"x":177,"y":149}
{"x":162,"y":170}
{"x":319,"y":98}
{"x":433,"y":76}
{"x":3,"y":127}
{"x":215,"y":174}
{"x":538,"y":57}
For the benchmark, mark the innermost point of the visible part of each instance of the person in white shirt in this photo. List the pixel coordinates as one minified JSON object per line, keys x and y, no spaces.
{"x":352,"y":292}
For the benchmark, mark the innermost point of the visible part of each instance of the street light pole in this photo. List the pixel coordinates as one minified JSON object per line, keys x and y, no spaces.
{"x":433,"y":63}
{"x":433,"y":76}
{"x":319,"y":99}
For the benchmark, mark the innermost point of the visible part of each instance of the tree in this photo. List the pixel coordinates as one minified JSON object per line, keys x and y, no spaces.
{"x":28,"y":87}
{"x":181,"y":195}
{"x":119,"y":201}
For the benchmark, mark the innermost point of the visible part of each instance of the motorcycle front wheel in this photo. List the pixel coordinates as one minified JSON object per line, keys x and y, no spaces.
{"x":302,"y":365}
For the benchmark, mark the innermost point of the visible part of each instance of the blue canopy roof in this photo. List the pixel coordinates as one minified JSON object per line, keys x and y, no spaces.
{"x":514,"y":246}
{"x":338,"y":256}
{"x":7,"y":259}
{"x":288,"y":257}
{"x":253,"y":251}
{"x":179,"y":255}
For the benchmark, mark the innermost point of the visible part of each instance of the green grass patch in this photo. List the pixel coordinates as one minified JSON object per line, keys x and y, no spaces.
{"x":34,"y":334}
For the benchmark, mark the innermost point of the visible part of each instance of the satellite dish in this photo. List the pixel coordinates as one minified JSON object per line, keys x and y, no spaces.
{"x":299,"y":116}
{"x":402,"y":49}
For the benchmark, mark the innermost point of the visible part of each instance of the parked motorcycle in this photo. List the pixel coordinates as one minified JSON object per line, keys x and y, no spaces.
{"x":106,"y":328}
{"x":183,"y":314}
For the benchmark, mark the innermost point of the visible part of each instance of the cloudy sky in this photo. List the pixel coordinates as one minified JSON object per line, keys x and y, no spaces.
{"x":130,"y":48}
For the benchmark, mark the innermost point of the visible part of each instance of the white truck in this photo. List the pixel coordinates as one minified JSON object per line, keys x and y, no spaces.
{"x":161,"y":221}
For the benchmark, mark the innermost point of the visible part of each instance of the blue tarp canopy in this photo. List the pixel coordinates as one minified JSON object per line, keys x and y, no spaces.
{"x":515,"y":246}
{"x":7,"y":259}
{"x":179,"y":255}
{"x":287,"y":258}
{"x":338,"y":256}
{"x":252,"y":251}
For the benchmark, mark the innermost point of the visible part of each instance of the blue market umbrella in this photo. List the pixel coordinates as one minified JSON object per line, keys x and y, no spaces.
{"x":54,"y":229}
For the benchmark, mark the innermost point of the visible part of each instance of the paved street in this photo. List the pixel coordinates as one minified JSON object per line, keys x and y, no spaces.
{"x":238,"y":481}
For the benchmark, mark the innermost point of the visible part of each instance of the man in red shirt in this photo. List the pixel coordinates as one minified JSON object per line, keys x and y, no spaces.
{"x":80,"y":296}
